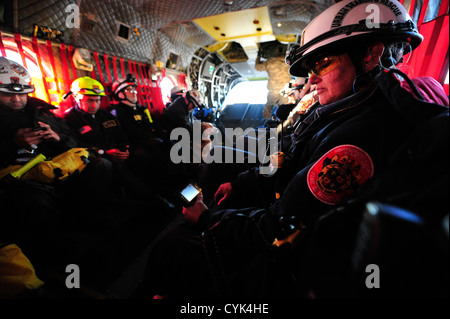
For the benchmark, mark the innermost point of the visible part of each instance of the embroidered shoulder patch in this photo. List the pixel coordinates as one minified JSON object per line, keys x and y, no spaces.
{"x":338,"y":173}
{"x":110,"y":123}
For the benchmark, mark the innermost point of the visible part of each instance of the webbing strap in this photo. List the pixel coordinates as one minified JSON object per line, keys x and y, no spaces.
{"x":136,"y":75}
{"x":66,"y":75}
{"x":108,"y":73}
{"x":2,"y":47}
{"x":72,"y":64}
{"x":130,"y":67}
{"x":99,"y":67}
{"x":52,"y":62}
{"x":18,"y":40}
{"x":423,"y":10}
{"x":122,"y":67}
{"x":35,"y":46}
{"x":116,"y":76}
{"x":432,"y":44}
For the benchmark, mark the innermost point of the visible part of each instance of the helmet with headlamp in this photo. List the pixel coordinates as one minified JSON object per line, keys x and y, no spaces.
{"x":87,"y":86}
{"x":14,"y":78}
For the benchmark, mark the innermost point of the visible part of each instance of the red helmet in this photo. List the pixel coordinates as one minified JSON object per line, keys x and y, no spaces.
{"x":121,"y":84}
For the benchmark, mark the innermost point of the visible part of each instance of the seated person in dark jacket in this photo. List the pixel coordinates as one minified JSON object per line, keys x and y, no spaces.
{"x":93,"y":126}
{"x":293,"y":92}
{"x":180,"y":112}
{"x":28,"y":127}
{"x":175,"y":93}
{"x":98,"y":129}
{"x":149,"y":154}
{"x":134,"y":118}
{"x":338,"y":157}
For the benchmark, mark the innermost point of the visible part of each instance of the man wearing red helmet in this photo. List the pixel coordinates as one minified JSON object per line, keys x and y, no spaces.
{"x":135,"y":119}
{"x":149,"y":153}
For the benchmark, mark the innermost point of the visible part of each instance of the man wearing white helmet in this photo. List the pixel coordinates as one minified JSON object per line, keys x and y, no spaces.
{"x":32,"y":209}
{"x":28,"y":121}
{"x":175,"y":93}
{"x":372,"y":136}
{"x":294,"y":90}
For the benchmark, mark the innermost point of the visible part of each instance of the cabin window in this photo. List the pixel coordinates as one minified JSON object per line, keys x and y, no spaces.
{"x":172,"y":61}
{"x":123,"y":32}
{"x":253,"y":92}
{"x":166,"y":85}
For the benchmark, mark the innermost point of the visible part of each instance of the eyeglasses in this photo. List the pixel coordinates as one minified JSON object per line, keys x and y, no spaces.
{"x":15,"y":87}
{"x":325,"y":65}
{"x":131,"y":90}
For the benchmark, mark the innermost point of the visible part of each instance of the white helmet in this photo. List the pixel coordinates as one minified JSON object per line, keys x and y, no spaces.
{"x":176,"y":89}
{"x":292,"y":85}
{"x":14,"y":78}
{"x":351,"y":21}
{"x":299,"y":83}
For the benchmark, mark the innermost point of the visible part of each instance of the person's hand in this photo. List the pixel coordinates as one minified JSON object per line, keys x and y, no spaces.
{"x":118,"y":154}
{"x":223,"y":193}
{"x":25,"y":137}
{"x":192,"y":214}
{"x":47,"y":133}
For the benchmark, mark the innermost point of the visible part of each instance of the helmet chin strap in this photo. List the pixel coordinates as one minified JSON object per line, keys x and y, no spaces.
{"x":125,"y":100}
{"x":365,"y":78}
{"x":368,"y":64}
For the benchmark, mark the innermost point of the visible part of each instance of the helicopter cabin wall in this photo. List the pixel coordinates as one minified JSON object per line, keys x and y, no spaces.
{"x":53,"y":69}
{"x":52,"y":66}
{"x":431,"y":58}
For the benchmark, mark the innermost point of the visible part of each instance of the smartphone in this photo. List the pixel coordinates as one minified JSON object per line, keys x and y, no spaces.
{"x":189,"y":194}
{"x":125,"y":148}
{"x":39,"y":128}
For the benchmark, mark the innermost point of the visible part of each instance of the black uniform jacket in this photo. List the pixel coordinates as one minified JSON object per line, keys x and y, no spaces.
{"x":382,"y":133}
{"x":102,"y":131}
{"x":177,"y":114}
{"x":135,"y":123}
{"x":35,"y":110}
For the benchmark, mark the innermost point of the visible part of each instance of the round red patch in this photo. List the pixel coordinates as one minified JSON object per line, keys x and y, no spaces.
{"x":338,"y":173}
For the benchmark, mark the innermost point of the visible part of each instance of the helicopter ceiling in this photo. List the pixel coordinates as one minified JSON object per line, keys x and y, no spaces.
{"x":150,"y":30}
